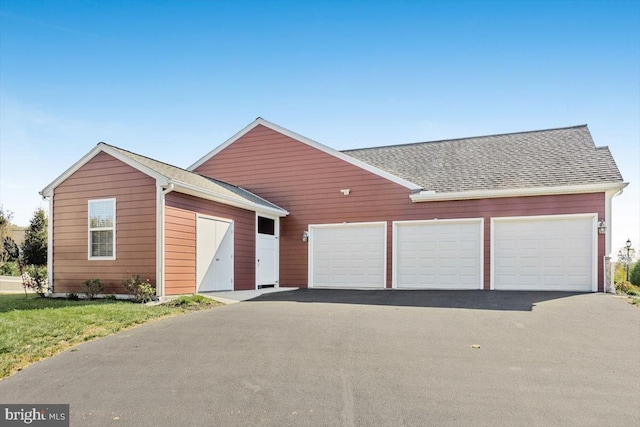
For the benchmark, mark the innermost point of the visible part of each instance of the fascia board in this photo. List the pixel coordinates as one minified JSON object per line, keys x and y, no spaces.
{"x":101,"y":147}
{"x":184,"y":188}
{"x":344,"y":157}
{"x":432,"y":196}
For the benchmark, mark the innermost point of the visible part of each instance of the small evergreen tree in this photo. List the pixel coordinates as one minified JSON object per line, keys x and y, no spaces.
{"x":34,"y":248}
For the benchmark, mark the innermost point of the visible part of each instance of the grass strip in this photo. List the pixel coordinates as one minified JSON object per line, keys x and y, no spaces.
{"x":35,"y":328}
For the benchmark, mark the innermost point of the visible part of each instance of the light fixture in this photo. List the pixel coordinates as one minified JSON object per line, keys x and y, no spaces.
{"x":602,"y":227}
{"x":345,"y":191}
{"x":628,"y":244}
{"x":305,"y":236}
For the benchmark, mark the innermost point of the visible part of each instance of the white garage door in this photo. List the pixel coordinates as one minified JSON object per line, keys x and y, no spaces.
{"x":440,"y":254}
{"x":348,"y":255}
{"x":544,"y":253}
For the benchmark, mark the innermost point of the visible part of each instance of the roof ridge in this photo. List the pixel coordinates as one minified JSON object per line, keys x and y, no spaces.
{"x":437,"y":141}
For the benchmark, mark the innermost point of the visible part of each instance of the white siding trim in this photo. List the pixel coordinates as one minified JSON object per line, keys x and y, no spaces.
{"x":594,"y":250}
{"x":394,"y":249}
{"x":160,"y":241}
{"x":50,"y":244}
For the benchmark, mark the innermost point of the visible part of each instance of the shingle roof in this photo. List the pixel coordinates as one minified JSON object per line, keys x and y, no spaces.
{"x":198,"y":181}
{"x":544,"y":158}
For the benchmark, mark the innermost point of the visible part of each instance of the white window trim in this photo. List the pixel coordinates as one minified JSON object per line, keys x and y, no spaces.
{"x":89,"y":230}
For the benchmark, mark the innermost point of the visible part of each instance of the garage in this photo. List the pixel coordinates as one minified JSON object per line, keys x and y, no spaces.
{"x":438,"y":254}
{"x":551,"y":253}
{"x":349,"y":255}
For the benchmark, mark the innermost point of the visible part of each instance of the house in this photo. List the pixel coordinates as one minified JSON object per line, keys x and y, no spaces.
{"x":269,"y":207}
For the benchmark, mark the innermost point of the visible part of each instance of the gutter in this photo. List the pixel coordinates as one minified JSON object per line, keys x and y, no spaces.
{"x":432,"y":196}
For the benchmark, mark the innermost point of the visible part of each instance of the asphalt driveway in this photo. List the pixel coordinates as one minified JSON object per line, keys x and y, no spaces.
{"x":365,"y":358}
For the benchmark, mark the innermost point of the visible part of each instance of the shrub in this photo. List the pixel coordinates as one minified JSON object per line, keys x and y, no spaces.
{"x":624,"y":287}
{"x":141,"y":290}
{"x":35,"y":278}
{"x":73,"y":296}
{"x":9,"y":268}
{"x":634,"y":274}
{"x":91,"y":288}
{"x":633,"y":292}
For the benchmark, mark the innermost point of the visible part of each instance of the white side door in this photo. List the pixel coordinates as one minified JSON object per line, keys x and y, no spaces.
{"x":214,"y":254}
{"x":267,"y":253}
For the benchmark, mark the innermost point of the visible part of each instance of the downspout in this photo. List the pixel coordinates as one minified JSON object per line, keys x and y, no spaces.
{"x":160,"y":232}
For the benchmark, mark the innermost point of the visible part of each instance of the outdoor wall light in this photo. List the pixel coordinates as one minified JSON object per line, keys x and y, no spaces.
{"x":345,"y":191}
{"x":602,"y":227}
{"x":305,"y":236}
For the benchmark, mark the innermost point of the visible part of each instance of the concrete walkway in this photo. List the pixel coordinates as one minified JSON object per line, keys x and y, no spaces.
{"x":232,"y":297}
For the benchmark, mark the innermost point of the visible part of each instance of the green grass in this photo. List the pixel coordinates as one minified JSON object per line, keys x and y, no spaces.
{"x":35,"y":328}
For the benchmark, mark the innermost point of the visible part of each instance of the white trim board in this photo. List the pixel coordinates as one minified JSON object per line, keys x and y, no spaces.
{"x":432,"y":196}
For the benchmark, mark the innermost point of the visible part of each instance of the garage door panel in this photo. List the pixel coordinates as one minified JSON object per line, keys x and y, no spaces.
{"x":544,"y":253}
{"x":438,"y":254}
{"x":347,"y":255}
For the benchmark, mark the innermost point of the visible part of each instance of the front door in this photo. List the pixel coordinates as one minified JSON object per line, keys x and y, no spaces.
{"x":267,"y":252}
{"x":214,"y":254}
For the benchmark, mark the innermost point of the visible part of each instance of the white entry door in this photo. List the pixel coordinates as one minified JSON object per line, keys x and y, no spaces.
{"x":352,"y":255}
{"x":267,"y":252}
{"x":214,"y":254}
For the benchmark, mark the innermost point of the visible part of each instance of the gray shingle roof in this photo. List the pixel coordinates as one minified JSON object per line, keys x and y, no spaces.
{"x":198,"y":181}
{"x":544,"y":158}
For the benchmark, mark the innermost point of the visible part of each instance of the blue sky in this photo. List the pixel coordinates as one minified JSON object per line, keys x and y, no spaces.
{"x":172,"y":80}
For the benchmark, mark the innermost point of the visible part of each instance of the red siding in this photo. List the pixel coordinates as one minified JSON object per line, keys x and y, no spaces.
{"x":180,"y":242}
{"x":104,"y":177}
{"x":307,"y":182}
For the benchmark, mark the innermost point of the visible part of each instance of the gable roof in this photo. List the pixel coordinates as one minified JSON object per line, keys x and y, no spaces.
{"x":349,"y":159}
{"x":562,"y":157}
{"x":179,"y":179}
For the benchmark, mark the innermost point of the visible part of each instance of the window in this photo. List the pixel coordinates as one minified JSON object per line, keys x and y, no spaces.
{"x":102,"y":229}
{"x":266,"y":226}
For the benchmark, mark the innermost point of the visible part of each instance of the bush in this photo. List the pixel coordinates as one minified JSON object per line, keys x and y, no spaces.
{"x":35,"y":278}
{"x":142,"y":291}
{"x":9,"y":268}
{"x":73,"y":296}
{"x":634,"y":274}
{"x":633,"y":292}
{"x":91,"y":288}
{"x":625,"y":287}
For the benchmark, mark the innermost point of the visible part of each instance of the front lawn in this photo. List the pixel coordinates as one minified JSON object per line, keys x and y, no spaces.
{"x":34,"y":328}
